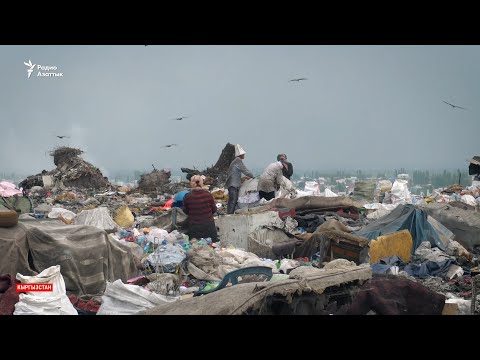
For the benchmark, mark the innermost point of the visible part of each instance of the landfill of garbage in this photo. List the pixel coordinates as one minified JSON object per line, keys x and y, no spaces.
{"x":119,"y":250}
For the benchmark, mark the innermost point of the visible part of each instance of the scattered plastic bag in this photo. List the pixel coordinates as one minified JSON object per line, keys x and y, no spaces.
{"x":167,"y":257}
{"x":468,"y":199}
{"x":61,"y":213}
{"x":53,"y":302}
{"x":125,"y":299}
{"x":400,"y":193}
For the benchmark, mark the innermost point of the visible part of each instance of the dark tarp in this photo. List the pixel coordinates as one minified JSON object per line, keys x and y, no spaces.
{"x":394,"y":295}
{"x":429,"y":268}
{"x":309,"y":222}
{"x":421,"y":270}
{"x":401,"y":218}
{"x":474,"y":167}
{"x":386,"y":263}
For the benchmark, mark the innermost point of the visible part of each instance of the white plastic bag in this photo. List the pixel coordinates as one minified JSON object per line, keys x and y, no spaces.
{"x":61,"y":212}
{"x":330,"y":193}
{"x":312,"y":186}
{"x":54,"y":302}
{"x":156,"y":236}
{"x":125,"y":299}
{"x":400,"y":193}
{"x":468,"y":199}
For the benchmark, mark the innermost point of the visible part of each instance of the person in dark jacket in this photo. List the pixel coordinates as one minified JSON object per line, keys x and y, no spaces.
{"x":200,"y":206}
{"x":287,"y":166}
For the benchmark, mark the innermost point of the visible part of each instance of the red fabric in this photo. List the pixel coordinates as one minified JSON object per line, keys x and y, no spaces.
{"x":89,"y":305}
{"x":8,"y":294}
{"x":168,"y":204}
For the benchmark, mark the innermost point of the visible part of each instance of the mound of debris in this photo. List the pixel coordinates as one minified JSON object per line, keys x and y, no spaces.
{"x":154,"y":181}
{"x":71,"y":171}
{"x":453,"y":189}
{"x":217,"y":174}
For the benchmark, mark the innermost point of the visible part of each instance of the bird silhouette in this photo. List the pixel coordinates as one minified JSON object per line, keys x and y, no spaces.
{"x":169,"y":145}
{"x":454,"y":106}
{"x":180,"y":118}
{"x":63,"y":136}
{"x":297,"y":80}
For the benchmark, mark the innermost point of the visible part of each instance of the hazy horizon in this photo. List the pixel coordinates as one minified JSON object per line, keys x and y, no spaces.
{"x":361,"y":107}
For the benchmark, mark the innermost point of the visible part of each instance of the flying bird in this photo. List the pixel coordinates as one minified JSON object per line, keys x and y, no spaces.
{"x":180,"y":118}
{"x":454,"y":106}
{"x":169,"y":145}
{"x":297,"y":80}
{"x":63,"y":136}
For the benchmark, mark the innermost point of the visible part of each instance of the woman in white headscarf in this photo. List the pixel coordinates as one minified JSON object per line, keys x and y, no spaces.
{"x":234,"y":178}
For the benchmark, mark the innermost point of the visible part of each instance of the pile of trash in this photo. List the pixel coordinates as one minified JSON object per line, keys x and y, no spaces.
{"x":154,"y":181}
{"x":71,"y":171}
{"x":379,"y":237}
{"x":217,"y":174}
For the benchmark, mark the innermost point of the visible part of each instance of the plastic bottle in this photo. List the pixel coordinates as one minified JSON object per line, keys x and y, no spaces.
{"x":140,"y":240}
{"x":147,"y":248}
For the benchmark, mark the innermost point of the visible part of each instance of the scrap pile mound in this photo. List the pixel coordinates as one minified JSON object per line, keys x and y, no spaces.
{"x":217,"y":174}
{"x":453,"y":189}
{"x":159,"y":181}
{"x":71,"y":171}
{"x":33,"y":180}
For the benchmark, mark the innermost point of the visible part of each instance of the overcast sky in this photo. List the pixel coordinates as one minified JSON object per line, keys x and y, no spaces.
{"x":362,"y":107}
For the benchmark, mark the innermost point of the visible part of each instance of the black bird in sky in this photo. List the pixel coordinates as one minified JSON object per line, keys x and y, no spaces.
{"x":297,"y":80}
{"x":454,"y":106}
{"x":181,"y":118}
{"x":63,"y":136}
{"x":169,"y":145}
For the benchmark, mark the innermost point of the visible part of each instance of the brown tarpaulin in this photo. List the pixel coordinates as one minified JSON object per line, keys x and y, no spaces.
{"x":315,"y":202}
{"x":14,"y":251}
{"x":238,"y":299}
{"x":86,"y":255}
